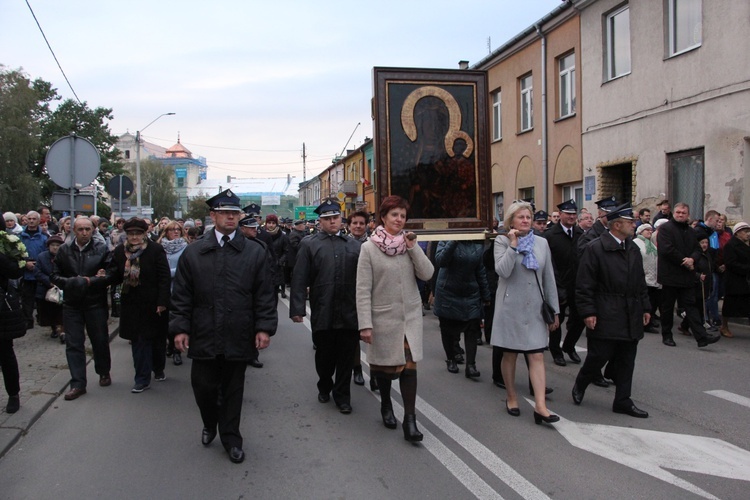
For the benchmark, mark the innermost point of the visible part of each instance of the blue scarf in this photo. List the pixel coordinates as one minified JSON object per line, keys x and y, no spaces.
{"x":526,"y":248}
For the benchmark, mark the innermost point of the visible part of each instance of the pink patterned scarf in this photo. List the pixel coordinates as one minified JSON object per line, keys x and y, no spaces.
{"x":387,"y":243}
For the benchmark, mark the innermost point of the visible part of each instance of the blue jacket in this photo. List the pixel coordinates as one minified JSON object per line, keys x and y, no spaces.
{"x":35,"y":244}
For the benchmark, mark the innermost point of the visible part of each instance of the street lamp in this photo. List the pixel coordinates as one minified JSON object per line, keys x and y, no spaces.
{"x":138,"y":161}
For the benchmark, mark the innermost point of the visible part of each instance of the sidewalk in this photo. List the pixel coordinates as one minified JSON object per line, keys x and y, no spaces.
{"x":44,"y":377}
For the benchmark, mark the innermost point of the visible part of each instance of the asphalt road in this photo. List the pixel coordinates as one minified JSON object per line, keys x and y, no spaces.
{"x":114,"y":444}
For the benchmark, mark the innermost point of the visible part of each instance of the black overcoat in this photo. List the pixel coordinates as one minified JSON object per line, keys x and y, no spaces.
{"x":675,"y":241}
{"x":611,"y":285}
{"x":327,"y":264}
{"x":737,"y":260}
{"x":138,"y":317}
{"x":564,"y":250}
{"x":222,"y":297}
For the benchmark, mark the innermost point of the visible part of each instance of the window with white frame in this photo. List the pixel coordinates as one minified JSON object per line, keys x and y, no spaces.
{"x":685,"y":25}
{"x":573,"y":192}
{"x":527,"y":105}
{"x":618,"y":42}
{"x":567,"y":67}
{"x":497,"y":119}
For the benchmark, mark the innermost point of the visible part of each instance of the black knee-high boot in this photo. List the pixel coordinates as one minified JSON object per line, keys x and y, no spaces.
{"x":408,"y":383}
{"x":386,"y":407}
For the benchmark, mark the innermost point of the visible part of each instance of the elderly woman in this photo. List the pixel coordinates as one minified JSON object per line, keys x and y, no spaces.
{"x":737,"y":274}
{"x":389,"y":310}
{"x":141,"y":266}
{"x":50,"y":314}
{"x":643,"y":241}
{"x":11,"y":223}
{"x":174,"y":240}
{"x":525,"y":277}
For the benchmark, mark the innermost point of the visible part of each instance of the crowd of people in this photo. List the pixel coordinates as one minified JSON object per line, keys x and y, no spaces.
{"x":212,"y":291}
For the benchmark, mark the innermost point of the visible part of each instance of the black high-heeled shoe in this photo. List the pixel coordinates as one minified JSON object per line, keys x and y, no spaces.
{"x":411,"y":433}
{"x":513,"y":412}
{"x":374,"y":384}
{"x":551,"y":419}
{"x":389,"y":419}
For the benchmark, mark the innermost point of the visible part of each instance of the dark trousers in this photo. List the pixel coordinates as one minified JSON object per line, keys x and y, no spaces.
{"x":654,"y":296}
{"x":574,"y":329}
{"x":28,"y":301}
{"x":685,"y":298}
{"x":450,"y":333}
{"x":149,"y":355}
{"x":621,"y":358}
{"x":335,"y":356}
{"x":489,"y":316}
{"x":77,"y":322}
{"x":218,"y":387}
{"x":9,"y":365}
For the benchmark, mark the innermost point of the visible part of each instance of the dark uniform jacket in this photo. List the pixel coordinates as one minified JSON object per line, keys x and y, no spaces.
{"x":138,"y":317}
{"x":328,"y":266}
{"x":564,"y":250}
{"x":222,"y":297}
{"x":461,"y":285}
{"x":611,"y":285}
{"x":12,"y":321}
{"x":295,"y":237}
{"x":71,"y":264}
{"x":737,"y":260}
{"x":595,"y":232}
{"x":675,"y":241}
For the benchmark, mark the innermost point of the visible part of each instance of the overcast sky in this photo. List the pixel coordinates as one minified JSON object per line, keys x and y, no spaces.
{"x":249,"y":81}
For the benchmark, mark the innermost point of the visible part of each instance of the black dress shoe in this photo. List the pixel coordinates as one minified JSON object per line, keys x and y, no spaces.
{"x":358,"y":378}
{"x":632,"y":410}
{"x":550,"y":419}
{"x":324,"y":398}
{"x":708,"y":340}
{"x":574,"y":357}
{"x":208,"y":435}
{"x":459,"y":359}
{"x":236,"y":455}
{"x":600,"y":382}
{"x":177,"y":359}
{"x":451,"y":366}
{"x":255,"y":363}
{"x":668,"y":341}
{"x":471,"y":371}
{"x":498,"y":383}
{"x":559,"y":361}
{"x":345,"y":408}
{"x":374,"y":384}
{"x":577,"y":395}
{"x":651,"y":329}
{"x":513,"y":412}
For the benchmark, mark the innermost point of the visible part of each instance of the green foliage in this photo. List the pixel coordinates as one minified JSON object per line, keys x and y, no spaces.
{"x":103,"y":210}
{"x":160,"y":179}
{"x":197,"y":208}
{"x":28,"y":127}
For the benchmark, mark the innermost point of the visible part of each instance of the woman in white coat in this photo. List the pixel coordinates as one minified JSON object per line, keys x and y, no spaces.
{"x":389,"y":310}
{"x":524,"y":265}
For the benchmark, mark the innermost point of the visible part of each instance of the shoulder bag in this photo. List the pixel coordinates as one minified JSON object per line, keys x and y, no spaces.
{"x":548,"y":312}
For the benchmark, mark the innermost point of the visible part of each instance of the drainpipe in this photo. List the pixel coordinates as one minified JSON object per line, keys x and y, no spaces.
{"x":545,"y":166}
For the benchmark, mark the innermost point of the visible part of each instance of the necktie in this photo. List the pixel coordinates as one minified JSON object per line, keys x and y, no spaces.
{"x":622,"y":245}
{"x":224,"y":240}
{"x":570,"y":233}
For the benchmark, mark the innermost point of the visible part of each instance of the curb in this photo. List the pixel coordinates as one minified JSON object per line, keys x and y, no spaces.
{"x":18,"y":424}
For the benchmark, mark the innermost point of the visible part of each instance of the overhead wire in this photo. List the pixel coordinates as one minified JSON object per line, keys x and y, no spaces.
{"x":53,"y":53}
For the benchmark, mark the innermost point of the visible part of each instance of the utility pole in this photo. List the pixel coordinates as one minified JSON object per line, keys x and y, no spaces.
{"x":304,"y":168}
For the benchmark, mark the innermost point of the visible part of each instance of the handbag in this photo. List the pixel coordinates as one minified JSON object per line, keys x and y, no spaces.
{"x":548,"y":312}
{"x":54,"y":295}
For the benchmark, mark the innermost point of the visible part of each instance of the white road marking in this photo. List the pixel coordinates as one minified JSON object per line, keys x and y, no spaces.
{"x":653,"y":452}
{"x":730,"y":396}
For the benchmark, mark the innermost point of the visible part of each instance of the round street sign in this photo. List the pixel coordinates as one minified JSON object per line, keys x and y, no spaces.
{"x":72,"y":161}
{"x":113,"y":188}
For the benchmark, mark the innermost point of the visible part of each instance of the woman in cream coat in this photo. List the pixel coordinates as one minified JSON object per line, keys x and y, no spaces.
{"x":518,"y":326}
{"x":389,"y":310}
